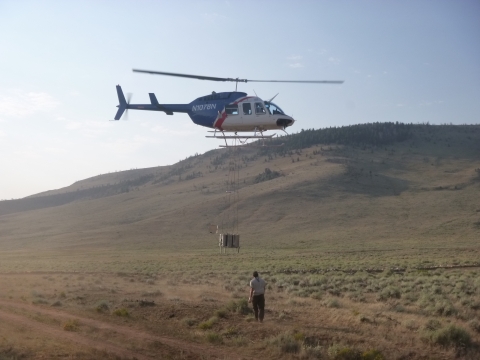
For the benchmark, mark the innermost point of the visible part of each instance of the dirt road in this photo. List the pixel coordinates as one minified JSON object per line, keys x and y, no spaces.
{"x":22,"y":314}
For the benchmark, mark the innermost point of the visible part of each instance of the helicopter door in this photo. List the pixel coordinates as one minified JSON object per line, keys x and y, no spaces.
{"x":259,"y":109}
{"x":247,"y":109}
{"x":247,"y":113}
{"x":258,"y":118}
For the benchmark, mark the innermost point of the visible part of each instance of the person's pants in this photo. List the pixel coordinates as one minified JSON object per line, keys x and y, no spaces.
{"x":258,"y":302}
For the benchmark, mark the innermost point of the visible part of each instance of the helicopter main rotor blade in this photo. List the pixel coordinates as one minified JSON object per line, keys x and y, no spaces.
{"x":237,"y":80}
{"x":199,"y":77}
{"x":300,"y":81}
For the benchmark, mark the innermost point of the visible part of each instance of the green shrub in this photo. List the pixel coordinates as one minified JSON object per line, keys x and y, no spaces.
{"x":290,"y":346}
{"x":230,"y":332}
{"x":242,"y":307}
{"x":303,"y":293}
{"x":71,"y":325}
{"x":411,"y":297}
{"x":239,"y":341}
{"x":102,"y":306}
{"x":475,"y":325}
{"x":286,"y":343}
{"x":205,"y":325}
{"x":37,"y":294}
{"x":475,"y":305}
{"x":372,"y":355}
{"x":445,"y":309}
{"x":451,"y":336}
{"x":333,"y":303}
{"x":189,"y":322}
{"x":343,"y":353}
{"x":398,"y":308}
{"x":221,"y":313}
{"x":121,"y":312}
{"x":432,"y":325}
{"x":311,"y":352}
{"x":411,"y":325}
{"x":299,"y":336}
{"x":389,"y":293}
{"x":357,"y":296}
{"x":266,"y":175}
{"x":239,"y":306}
{"x":365,"y":319}
{"x":213,"y":337}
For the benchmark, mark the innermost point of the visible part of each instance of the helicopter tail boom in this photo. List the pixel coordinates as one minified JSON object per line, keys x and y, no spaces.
{"x":169,"y":109}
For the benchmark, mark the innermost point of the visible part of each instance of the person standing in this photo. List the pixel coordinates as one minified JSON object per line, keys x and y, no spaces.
{"x":257,"y":296}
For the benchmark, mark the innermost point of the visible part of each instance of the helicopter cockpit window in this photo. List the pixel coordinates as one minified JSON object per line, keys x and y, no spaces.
{"x":259,"y":109}
{"x":247,"y":109}
{"x":231,"y":109}
{"x":273,"y":109}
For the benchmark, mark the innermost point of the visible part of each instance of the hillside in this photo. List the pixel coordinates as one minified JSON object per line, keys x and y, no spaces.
{"x":394,"y":185}
{"x":367,"y":237}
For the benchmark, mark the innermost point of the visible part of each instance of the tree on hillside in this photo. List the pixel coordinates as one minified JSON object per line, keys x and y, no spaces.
{"x":375,"y":134}
{"x":266,"y":175}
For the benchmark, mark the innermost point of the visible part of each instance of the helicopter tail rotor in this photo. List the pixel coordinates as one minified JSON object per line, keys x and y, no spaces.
{"x":129,"y":97}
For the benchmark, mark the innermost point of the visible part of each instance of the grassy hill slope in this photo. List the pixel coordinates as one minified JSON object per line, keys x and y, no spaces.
{"x":370,"y":186}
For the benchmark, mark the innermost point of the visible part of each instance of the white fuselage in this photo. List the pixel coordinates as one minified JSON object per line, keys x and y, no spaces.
{"x":251,"y":114}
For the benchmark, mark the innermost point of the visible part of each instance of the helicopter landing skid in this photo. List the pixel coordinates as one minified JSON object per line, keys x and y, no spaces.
{"x":242,"y":139}
{"x":252,"y":145}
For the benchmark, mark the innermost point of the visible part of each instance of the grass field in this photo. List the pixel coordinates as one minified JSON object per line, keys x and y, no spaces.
{"x":369,"y":252}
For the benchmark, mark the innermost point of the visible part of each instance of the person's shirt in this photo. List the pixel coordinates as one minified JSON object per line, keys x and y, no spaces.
{"x":258,"y":286}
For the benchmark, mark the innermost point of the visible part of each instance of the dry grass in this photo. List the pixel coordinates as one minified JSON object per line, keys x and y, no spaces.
{"x":343,"y":240}
{"x":294,"y":324}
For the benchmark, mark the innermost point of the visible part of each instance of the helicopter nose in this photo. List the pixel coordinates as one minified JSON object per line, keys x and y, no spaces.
{"x":285,"y":122}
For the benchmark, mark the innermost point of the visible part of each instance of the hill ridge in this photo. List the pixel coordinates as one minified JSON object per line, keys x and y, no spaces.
{"x":364,"y":136}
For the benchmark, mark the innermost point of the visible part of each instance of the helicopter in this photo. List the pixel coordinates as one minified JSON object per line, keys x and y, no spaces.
{"x":224,"y":112}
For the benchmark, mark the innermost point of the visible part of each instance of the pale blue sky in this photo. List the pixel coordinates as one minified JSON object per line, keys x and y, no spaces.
{"x":407,"y":61}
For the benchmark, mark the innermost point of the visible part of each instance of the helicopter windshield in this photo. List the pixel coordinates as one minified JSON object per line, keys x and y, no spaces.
{"x":273,"y":109}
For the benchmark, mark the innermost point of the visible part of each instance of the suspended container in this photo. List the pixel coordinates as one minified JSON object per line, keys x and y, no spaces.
{"x":229,"y":241}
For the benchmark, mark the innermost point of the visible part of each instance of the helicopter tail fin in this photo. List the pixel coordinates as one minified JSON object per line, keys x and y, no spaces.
{"x":154,"y":102}
{"x":153,"y":99}
{"x":122,"y":106}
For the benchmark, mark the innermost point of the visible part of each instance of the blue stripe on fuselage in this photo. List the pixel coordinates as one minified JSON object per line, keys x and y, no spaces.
{"x":204,"y":110}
